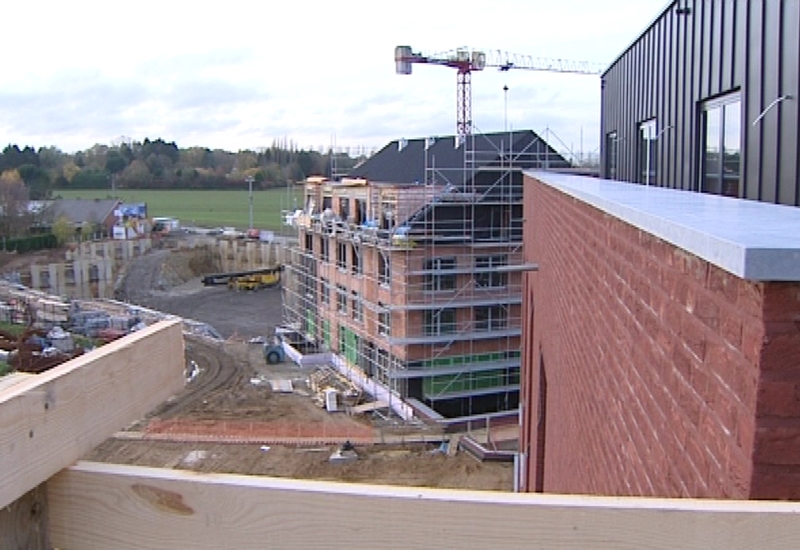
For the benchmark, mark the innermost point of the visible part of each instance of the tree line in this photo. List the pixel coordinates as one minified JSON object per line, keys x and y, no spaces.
{"x":160,"y":164}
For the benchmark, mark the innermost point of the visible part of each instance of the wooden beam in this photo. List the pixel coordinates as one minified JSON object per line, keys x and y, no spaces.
{"x":23,"y":524}
{"x":50,"y":420}
{"x":95,"y":505}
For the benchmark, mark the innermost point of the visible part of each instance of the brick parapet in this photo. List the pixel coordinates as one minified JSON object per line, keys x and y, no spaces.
{"x":666,"y":374}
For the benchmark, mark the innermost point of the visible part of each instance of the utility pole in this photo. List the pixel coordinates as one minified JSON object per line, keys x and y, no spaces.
{"x":249,"y":181}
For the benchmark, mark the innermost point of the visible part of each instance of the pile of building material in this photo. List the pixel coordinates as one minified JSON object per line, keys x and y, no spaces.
{"x":36,"y":350}
{"x":332,"y":391}
{"x":22,"y":305}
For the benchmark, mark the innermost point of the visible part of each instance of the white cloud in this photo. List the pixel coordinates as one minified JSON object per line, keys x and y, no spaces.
{"x":239,"y":74}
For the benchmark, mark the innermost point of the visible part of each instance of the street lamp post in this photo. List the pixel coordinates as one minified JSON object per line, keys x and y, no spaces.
{"x":249,"y":181}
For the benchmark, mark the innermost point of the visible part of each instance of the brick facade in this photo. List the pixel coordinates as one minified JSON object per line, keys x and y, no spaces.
{"x":655,"y":372}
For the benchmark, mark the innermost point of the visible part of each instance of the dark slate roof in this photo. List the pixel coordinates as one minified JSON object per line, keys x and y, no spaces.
{"x":79,"y":211}
{"x":404,"y":161}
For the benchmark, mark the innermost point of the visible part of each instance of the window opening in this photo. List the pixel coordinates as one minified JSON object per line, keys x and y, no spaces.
{"x":647,"y":152}
{"x":721,"y":142}
{"x":435,"y":279}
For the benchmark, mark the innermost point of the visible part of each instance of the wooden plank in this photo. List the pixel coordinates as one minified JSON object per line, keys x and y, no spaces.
{"x":52,"y":419}
{"x":100,"y":506}
{"x":13,"y":379}
{"x":23,"y":524}
{"x":369,"y":407}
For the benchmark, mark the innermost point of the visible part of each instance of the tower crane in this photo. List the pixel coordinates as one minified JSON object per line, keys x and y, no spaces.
{"x":467,"y":60}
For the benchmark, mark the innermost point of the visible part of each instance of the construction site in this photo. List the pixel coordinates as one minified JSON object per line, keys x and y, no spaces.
{"x":243,"y":410}
{"x":409,"y":268}
{"x":410,"y":271}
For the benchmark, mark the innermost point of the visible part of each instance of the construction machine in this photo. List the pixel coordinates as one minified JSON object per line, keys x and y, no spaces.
{"x":246,"y":280}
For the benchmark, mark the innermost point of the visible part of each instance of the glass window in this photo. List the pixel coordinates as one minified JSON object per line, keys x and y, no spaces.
{"x":323,"y":247}
{"x":325,"y":291}
{"x":358,"y":308}
{"x":356,"y":258}
{"x":611,"y":155}
{"x":490,"y":318}
{"x":440,"y":321}
{"x":722,"y":131}
{"x":437,"y":279}
{"x":486,"y":274}
{"x":341,"y":255}
{"x":384,"y":268}
{"x":361,"y":211}
{"x":647,"y":152}
{"x":344,"y":208}
{"x":731,"y":149}
{"x":384,"y":320}
{"x":341,"y":299}
{"x":387,"y":215}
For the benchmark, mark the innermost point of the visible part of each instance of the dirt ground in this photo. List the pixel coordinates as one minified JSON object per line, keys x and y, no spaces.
{"x":228,"y":419}
{"x":170,"y":280}
{"x":410,"y":465}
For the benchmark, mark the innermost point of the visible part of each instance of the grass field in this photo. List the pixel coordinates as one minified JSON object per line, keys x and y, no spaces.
{"x":207,"y":208}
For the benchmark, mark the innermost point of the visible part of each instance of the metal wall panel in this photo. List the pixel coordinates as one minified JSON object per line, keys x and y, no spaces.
{"x":790,"y":114}
{"x":682,"y":60}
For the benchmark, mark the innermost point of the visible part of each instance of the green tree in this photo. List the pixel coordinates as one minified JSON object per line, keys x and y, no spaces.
{"x":90,"y":178}
{"x":305,"y":161}
{"x":246,"y":160}
{"x":63,"y":230}
{"x":14,"y":217}
{"x":37,"y":180}
{"x":95,"y":156}
{"x":53,"y":160}
{"x":137,"y":175}
{"x":115,"y":162}
{"x":70,"y":170}
{"x":13,"y":157}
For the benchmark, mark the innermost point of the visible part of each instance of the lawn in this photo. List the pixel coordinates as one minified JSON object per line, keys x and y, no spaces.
{"x":206,"y":208}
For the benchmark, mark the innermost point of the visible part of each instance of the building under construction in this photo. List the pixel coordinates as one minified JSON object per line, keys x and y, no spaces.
{"x":410,"y":269}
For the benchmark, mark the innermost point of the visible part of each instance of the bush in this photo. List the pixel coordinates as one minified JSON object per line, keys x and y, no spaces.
{"x":12,"y":328}
{"x":30,"y":244}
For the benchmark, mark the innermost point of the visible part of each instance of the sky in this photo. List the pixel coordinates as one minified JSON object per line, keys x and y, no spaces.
{"x":240,"y":75}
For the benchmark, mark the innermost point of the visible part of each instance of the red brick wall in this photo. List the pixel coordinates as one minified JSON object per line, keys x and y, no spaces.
{"x":776,"y":470}
{"x":663,"y":378}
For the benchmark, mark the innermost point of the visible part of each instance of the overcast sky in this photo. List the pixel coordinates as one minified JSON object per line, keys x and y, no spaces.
{"x":238,"y":75}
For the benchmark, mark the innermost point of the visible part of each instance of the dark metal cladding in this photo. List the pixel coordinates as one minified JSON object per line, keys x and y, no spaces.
{"x":695,"y":55}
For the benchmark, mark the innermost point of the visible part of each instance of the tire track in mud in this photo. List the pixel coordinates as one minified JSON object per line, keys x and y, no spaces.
{"x":217,"y":372}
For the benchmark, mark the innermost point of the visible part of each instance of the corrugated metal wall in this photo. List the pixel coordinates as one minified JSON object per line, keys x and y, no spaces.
{"x":684,"y":59}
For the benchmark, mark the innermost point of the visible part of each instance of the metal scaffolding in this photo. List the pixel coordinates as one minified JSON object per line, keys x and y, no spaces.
{"x":419,"y":285}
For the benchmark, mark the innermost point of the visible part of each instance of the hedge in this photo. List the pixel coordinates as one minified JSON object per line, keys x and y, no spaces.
{"x":29,"y":244}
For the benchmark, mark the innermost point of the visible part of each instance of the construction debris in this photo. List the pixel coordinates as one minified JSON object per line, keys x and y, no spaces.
{"x":344,"y":454}
{"x":331,"y":389}
{"x":281,"y":386}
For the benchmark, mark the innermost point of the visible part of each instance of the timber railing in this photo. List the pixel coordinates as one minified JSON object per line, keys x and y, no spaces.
{"x":50,"y":501}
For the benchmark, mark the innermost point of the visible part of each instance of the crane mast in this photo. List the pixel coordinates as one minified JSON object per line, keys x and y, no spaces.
{"x":467,"y":60}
